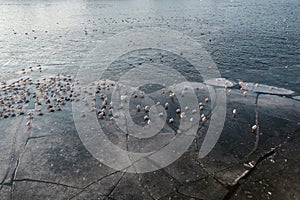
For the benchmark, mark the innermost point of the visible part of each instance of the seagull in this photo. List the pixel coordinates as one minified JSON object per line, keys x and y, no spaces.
{"x":206,"y":100}
{"x":171,"y":120}
{"x":254,"y":127}
{"x":147,"y":108}
{"x":234,"y":113}
{"x":28,"y":125}
{"x":166,"y":105}
{"x":138,"y":107}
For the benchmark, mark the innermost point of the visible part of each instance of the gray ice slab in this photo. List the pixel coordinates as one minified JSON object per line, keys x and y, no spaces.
{"x":39,"y":190}
{"x":276,"y":177}
{"x":60,"y":159}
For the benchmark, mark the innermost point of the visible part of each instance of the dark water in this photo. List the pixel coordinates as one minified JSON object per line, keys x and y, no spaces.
{"x":256,"y":41}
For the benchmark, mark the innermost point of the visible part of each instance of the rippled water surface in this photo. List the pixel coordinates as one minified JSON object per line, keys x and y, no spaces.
{"x":256,"y":41}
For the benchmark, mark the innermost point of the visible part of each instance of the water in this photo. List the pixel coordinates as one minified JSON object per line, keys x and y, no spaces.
{"x":252,"y":41}
{"x":247,"y":39}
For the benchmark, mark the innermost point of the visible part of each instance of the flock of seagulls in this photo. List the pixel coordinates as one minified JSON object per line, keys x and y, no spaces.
{"x":29,"y":97}
{"x":106,"y":107}
{"x":50,"y":93}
